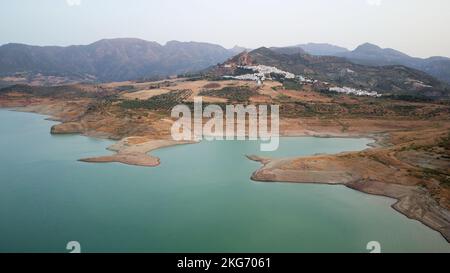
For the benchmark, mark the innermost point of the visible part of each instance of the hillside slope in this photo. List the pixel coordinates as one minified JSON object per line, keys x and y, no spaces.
{"x":396,"y":79}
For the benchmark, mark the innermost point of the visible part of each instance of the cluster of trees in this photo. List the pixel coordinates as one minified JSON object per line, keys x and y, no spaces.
{"x":163,"y":102}
{"x":239,"y":94}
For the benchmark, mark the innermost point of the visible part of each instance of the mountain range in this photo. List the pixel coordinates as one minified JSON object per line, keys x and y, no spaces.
{"x":370,"y":54}
{"x":130,"y":59}
{"x":112,"y":59}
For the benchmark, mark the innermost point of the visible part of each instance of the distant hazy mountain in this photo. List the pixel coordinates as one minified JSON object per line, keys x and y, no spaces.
{"x":112,"y":59}
{"x":370,"y":54}
{"x":394,"y":79}
{"x":374,"y":55}
{"x":322,"y":49}
{"x":288,"y":50}
{"x":238,"y":49}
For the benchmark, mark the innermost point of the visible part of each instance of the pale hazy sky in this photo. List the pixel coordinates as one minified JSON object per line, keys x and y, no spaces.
{"x":417,"y":27}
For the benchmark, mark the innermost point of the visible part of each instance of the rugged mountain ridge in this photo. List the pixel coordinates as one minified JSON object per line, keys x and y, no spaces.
{"x":131,"y":59}
{"x":111,"y":59}
{"x":370,"y":54}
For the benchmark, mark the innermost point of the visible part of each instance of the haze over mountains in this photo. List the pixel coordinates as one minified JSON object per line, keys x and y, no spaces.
{"x":322,"y":49}
{"x":130,"y":59}
{"x":370,"y":54}
{"x":112,"y":59}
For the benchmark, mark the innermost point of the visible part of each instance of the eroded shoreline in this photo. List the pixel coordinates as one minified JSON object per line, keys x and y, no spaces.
{"x":411,"y":201}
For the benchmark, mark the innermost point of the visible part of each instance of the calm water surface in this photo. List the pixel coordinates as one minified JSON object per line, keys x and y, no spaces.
{"x":199,"y":200}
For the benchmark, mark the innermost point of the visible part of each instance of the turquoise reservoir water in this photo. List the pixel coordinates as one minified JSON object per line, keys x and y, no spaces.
{"x":199,"y":200}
